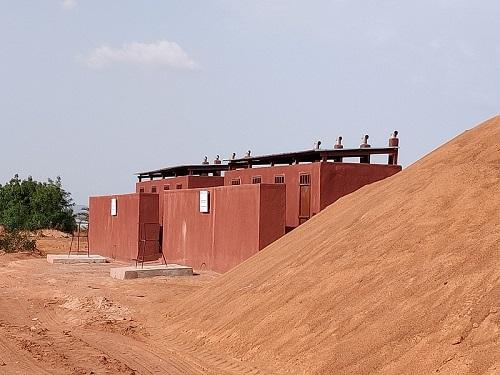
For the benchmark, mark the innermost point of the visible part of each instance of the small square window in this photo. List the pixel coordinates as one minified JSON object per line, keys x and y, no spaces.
{"x":141,"y":190}
{"x":153,"y":189}
{"x":305,"y":179}
{"x":279,"y":179}
{"x":178,"y":186}
{"x":235,"y":181}
{"x":256,"y":180}
{"x":166,"y":187}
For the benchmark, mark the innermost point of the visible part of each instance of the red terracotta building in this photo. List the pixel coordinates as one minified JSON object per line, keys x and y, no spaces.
{"x":214,"y":216}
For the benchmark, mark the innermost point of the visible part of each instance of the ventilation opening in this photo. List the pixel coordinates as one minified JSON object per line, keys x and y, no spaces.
{"x":305,"y":179}
{"x":256,"y":180}
{"x":141,"y":190}
{"x":166,"y":187}
{"x":153,"y":189}
{"x":235,"y":181}
{"x":178,"y":186}
{"x":279,"y":179}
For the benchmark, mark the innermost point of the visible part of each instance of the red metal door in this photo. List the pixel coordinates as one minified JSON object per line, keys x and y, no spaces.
{"x":304,"y":197}
{"x":149,"y":242}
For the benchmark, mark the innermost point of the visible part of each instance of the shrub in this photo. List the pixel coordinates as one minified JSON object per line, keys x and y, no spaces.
{"x":11,"y":241}
{"x":31,"y":205}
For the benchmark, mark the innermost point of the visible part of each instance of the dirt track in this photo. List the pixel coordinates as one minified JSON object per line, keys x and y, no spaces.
{"x":55,"y":319}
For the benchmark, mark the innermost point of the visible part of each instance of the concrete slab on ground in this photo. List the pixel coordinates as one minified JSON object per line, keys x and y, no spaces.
{"x":149,"y":270}
{"x":75,"y":259}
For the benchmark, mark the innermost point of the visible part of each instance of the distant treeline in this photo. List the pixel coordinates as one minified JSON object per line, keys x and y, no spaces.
{"x":31,"y":205}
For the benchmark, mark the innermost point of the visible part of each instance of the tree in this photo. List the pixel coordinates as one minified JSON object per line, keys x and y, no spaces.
{"x":31,"y":205}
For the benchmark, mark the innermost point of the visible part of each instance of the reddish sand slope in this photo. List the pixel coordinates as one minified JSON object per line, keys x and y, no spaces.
{"x":402,"y":276}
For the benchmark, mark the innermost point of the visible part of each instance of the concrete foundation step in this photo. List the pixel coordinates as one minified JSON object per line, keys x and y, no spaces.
{"x":149,"y":270}
{"x":75,"y":259}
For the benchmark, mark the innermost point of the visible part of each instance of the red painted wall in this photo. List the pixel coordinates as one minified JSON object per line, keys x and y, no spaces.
{"x":118,"y":236}
{"x":187,"y":234}
{"x":339,"y":179}
{"x":242,"y":220}
{"x":187,"y":182}
{"x":204,"y":181}
{"x":291,"y":173}
{"x":329,"y":182}
{"x":272,"y":206}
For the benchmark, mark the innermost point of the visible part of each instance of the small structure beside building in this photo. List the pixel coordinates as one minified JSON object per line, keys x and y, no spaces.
{"x":214,"y":216}
{"x":125,"y":227}
{"x":236,"y":223}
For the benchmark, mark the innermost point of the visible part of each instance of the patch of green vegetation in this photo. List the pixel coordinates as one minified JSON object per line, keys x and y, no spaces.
{"x":32,"y":205}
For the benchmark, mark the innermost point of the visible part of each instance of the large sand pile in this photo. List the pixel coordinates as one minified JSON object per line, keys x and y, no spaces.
{"x":402,"y":276}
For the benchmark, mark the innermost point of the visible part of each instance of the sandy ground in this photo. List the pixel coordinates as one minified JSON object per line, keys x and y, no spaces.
{"x":399,"y":277}
{"x":75,"y":319}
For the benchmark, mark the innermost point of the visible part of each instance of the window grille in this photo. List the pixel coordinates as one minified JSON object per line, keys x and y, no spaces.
{"x":305,"y":179}
{"x":279,"y":179}
{"x":256,"y":180}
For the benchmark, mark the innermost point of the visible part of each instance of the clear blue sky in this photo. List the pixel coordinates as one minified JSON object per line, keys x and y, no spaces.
{"x":94,"y":91}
